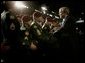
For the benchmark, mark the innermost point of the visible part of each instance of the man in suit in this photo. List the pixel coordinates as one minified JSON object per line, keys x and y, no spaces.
{"x":67,"y":28}
{"x":66,"y":35}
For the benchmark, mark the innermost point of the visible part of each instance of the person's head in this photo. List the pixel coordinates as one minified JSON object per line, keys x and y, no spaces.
{"x":26,"y":20}
{"x":49,"y":20}
{"x":63,"y":11}
{"x":38,"y":17}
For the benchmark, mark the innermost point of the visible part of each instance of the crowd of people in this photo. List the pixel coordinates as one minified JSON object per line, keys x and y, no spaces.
{"x":39,"y":37}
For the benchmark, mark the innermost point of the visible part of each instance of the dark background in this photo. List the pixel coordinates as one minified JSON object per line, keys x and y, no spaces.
{"x":76,"y":6}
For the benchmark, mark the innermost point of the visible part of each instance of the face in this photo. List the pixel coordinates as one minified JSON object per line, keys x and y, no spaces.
{"x":61,"y":13}
{"x":28,"y":24}
{"x":41,"y":19}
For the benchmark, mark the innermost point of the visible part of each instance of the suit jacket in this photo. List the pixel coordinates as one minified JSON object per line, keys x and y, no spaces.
{"x":35,"y":31}
{"x":69,"y":27}
{"x":66,"y":35}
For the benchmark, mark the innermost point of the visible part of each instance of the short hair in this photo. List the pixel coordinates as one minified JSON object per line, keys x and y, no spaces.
{"x":37,"y":14}
{"x":65,"y":10}
{"x":26,"y":18}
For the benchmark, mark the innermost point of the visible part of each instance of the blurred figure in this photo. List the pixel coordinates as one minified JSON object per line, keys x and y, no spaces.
{"x":36,"y":26}
{"x":55,"y":26}
{"x":67,"y":30}
{"x":10,"y":27}
{"x":67,"y":33}
{"x":10,"y":32}
{"x":35,"y":33}
{"x":27,"y":20}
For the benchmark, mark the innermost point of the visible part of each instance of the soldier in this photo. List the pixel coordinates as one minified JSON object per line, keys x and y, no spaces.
{"x":36,"y":26}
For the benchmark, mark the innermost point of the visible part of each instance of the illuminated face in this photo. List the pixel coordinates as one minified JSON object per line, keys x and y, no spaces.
{"x":61,"y":13}
{"x":41,"y":19}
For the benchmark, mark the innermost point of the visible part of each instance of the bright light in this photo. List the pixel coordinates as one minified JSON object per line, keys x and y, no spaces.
{"x":43,"y":8}
{"x":50,"y":15}
{"x":44,"y":12}
{"x":80,"y":21}
{"x":19,"y":4}
{"x":57,"y":17}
